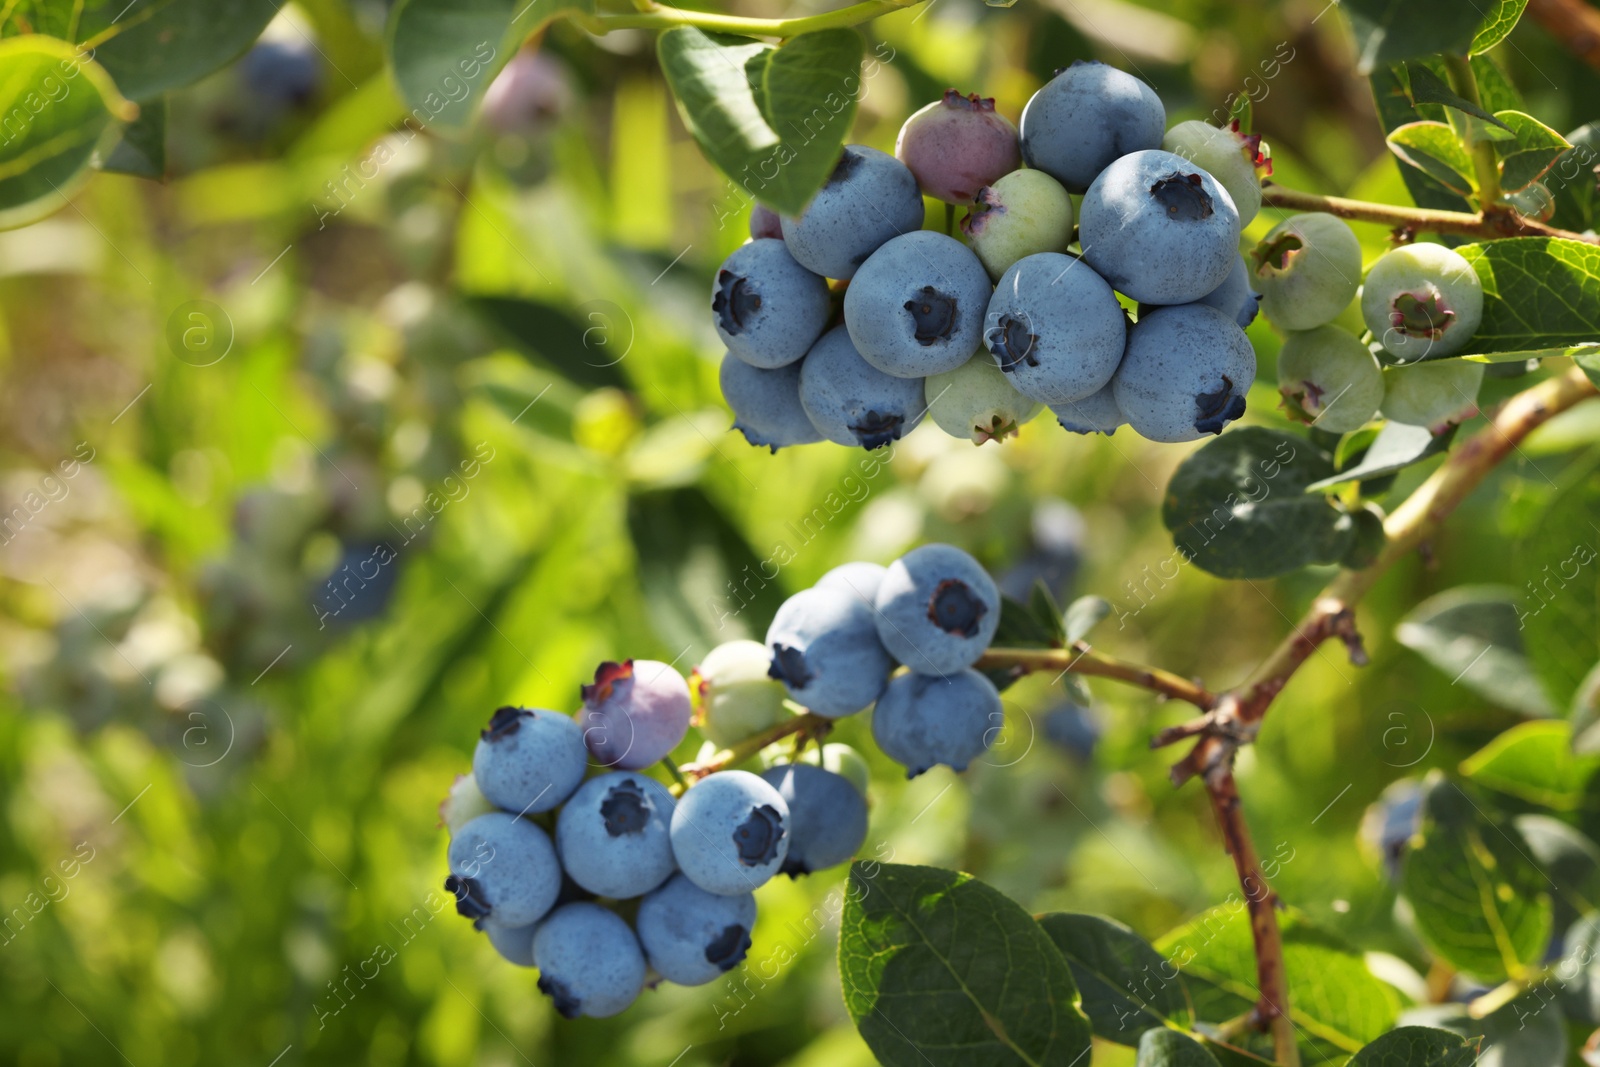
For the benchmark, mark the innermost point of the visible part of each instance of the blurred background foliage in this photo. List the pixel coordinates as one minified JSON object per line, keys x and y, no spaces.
{"x":455,"y":437}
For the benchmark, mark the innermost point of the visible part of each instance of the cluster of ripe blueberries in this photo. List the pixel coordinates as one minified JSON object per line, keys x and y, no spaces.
{"x":683,"y":868}
{"x":979,"y":334}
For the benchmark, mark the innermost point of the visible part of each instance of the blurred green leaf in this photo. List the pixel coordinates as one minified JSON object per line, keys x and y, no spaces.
{"x":1127,"y":986}
{"x":1169,"y":1048}
{"x":59,"y":109}
{"x":1538,"y":292}
{"x":1528,"y":1032}
{"x":1394,"y":447}
{"x":1395,"y":108}
{"x":443,"y":52}
{"x":1083,"y":615}
{"x":1585,"y":714}
{"x":1436,"y":150}
{"x":1418,"y":1046}
{"x":168,"y":44}
{"x":754,"y":109}
{"x":1425,"y":87}
{"x":142,"y":151}
{"x":1570,"y":860}
{"x":939,"y":969}
{"x":1387,"y":30}
{"x":1499,"y":20}
{"x":1479,"y":901}
{"x":1533,"y":761}
{"x":1337,"y":1004}
{"x":1238,"y":507}
{"x":1473,"y":633}
{"x":1531,"y":155}
{"x":587,"y":352}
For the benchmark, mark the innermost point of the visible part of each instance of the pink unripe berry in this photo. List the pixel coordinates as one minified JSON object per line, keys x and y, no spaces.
{"x":957,"y":145}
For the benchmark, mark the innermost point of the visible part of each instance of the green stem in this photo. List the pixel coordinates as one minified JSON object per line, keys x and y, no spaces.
{"x":660,"y":16}
{"x":672,"y":768}
{"x":807,"y":725}
{"x":1484,"y":161}
{"x":1509,"y":990}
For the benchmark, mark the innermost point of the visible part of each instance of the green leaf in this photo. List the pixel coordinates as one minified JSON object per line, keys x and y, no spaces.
{"x":1479,"y":901}
{"x":1020,"y":627}
{"x":771,"y":119}
{"x":690,"y":554}
{"x":587,"y":352}
{"x":1127,"y":986}
{"x":1426,"y":87}
{"x":1528,"y":1032}
{"x":1534,"y":761}
{"x":1500,"y":20}
{"x":1495,"y":91}
{"x":1336,"y":1003}
{"x":445,"y":52}
{"x":1473,"y":634}
{"x":1578,"y":974}
{"x":939,"y":969}
{"x":1043,"y":607}
{"x":1169,"y":1048}
{"x":162,"y":45}
{"x":1589,"y":363}
{"x":1585,"y":714}
{"x":1238,"y":508}
{"x":1418,"y":1046}
{"x":1083,"y":615}
{"x":1392,"y":95}
{"x":58,"y":109}
{"x":1436,"y":150}
{"x":1556,"y":560}
{"x":1538,"y":292}
{"x":1531,"y":155}
{"x":1571,"y":862}
{"x":142,"y":151}
{"x":1387,"y":30}
{"x":1395,"y":447}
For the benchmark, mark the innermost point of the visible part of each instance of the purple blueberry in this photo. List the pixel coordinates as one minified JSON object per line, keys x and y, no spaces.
{"x":766,"y":404}
{"x":503,"y":869}
{"x":916,"y":306}
{"x":614,"y":835}
{"x":730,"y":833}
{"x":527,"y":96}
{"x":589,"y":961}
{"x":529,"y":759}
{"x":1085,"y":118}
{"x":827,"y":653}
{"x":922,"y":721}
{"x":850,"y":401}
{"x":827,"y":816}
{"x":692,"y":937}
{"x":767,"y":308}
{"x":764,"y":222}
{"x":957,"y":145}
{"x":1095,"y":413}
{"x":635,"y":713}
{"x":1159,"y":229}
{"x":869,"y":198}
{"x":1185,"y":375}
{"x":937,"y":609}
{"x":1055,"y":328}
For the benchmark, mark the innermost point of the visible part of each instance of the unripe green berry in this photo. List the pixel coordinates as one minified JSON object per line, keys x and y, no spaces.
{"x":1307,"y":270}
{"x":977,"y":401}
{"x":733,"y":693}
{"x":464,"y":803}
{"x":1227,"y":155}
{"x":1422,"y":300}
{"x":1327,"y":377}
{"x":1024,"y":213}
{"x":1433,"y":394}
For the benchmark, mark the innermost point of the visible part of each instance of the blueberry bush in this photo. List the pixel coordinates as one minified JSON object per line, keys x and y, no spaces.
{"x":924,"y":532}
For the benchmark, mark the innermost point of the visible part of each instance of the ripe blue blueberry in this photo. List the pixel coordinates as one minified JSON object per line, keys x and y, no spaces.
{"x":692,"y":937}
{"x":1186,"y":373}
{"x":282,"y":74}
{"x":977,"y":402}
{"x":1328,"y":378}
{"x":827,"y":816}
{"x":589,"y":961}
{"x":614,"y":835}
{"x":1307,"y":270}
{"x":1073,"y":728}
{"x":1095,"y":413}
{"x":1422,"y":300}
{"x":1389,"y":826}
{"x":937,"y":609}
{"x":838,"y":759}
{"x":529,"y":759}
{"x":1085,"y":118}
{"x":767,"y":308}
{"x":1054,"y":556}
{"x":503,"y":869}
{"x":1234,"y":297}
{"x":852,"y":402}
{"x":514,"y":943}
{"x":635,"y":713}
{"x":736,"y":693}
{"x":766,"y":404}
{"x":869,"y":198}
{"x":730,"y":832}
{"x":1159,"y":229}
{"x":861,"y":578}
{"x":922,"y":721}
{"x":916,"y":306}
{"x":1055,"y":328}
{"x":826,"y":651}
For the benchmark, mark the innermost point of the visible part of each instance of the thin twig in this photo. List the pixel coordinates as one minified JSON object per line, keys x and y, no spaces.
{"x":1496,"y":224}
{"x":1079,"y":658}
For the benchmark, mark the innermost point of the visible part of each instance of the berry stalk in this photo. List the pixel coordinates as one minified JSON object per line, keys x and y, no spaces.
{"x":1082,"y":659}
{"x":652,"y":16}
{"x":807,"y":725}
{"x":1414,"y":220}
